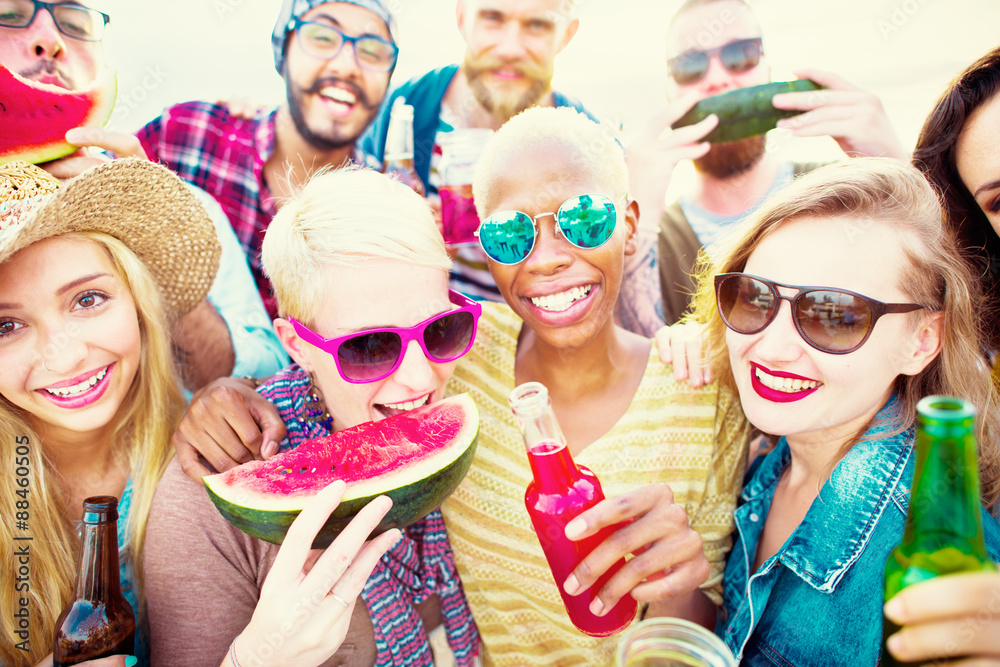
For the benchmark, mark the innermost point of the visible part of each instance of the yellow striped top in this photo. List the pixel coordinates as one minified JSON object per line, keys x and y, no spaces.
{"x":692,"y":439}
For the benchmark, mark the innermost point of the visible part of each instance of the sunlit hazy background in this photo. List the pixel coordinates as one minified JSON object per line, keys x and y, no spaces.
{"x":906,"y":51}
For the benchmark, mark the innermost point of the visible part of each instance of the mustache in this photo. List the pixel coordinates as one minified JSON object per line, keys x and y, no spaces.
{"x":320,"y":84}
{"x":48,"y":67}
{"x":488,"y":64}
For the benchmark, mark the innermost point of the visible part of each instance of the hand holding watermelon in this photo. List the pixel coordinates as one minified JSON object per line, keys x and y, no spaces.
{"x":854,"y":118}
{"x":121,"y":144}
{"x":657,"y":149}
{"x":309,"y":595}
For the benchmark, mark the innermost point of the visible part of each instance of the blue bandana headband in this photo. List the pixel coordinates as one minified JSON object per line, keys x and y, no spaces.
{"x":293,"y":9}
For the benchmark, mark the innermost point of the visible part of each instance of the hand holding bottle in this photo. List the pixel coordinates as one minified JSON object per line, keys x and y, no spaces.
{"x":309,"y":595}
{"x":948,"y":616}
{"x":669,"y":561}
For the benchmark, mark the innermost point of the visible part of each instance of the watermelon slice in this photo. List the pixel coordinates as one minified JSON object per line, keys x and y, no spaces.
{"x":34,"y":117}
{"x":417,"y":458}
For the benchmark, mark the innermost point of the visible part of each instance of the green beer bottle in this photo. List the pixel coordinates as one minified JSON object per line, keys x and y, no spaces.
{"x":944,"y":529}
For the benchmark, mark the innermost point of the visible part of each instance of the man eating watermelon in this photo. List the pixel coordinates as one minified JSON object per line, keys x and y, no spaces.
{"x":50,"y":47}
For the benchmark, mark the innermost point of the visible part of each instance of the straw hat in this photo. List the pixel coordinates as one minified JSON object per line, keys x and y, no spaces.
{"x":141,"y":203}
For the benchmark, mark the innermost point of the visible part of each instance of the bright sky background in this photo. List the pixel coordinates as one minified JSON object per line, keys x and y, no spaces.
{"x":904,"y":50}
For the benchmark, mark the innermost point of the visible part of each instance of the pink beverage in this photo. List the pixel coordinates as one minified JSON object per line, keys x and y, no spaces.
{"x":559,"y":492}
{"x":458,"y":214}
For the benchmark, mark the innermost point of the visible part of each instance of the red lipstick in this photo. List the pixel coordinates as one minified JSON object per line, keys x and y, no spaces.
{"x":774,"y":395}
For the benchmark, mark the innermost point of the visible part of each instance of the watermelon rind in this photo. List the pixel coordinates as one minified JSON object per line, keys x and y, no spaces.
{"x":37,"y":134}
{"x":415,"y":492}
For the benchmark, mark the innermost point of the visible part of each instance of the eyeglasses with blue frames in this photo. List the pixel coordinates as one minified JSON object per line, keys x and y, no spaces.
{"x":323,"y":41}
{"x":739,"y":56}
{"x":369,"y":356}
{"x":830,"y":320}
{"x":587,"y":221}
{"x":76,"y":21}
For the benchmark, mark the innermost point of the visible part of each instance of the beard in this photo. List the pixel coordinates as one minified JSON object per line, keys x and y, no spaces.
{"x":338,"y":134}
{"x":500,"y":101}
{"x":733,"y":158}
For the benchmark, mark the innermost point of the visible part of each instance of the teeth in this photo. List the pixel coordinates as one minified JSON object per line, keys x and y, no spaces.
{"x":784,"y":384}
{"x":65,"y":392}
{"x":409,"y":405}
{"x":563,"y":300}
{"x":339,"y":95}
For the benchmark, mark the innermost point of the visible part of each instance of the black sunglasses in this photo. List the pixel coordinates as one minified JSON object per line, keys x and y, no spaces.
{"x":736,"y":57}
{"x":831,"y":320}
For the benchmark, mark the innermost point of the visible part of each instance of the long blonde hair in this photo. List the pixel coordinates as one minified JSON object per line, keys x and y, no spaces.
{"x":860,"y":190}
{"x":153,"y":408}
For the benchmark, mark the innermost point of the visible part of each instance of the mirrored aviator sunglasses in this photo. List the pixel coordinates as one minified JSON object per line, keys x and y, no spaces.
{"x":587,"y":221}
{"x":739,"y":56}
{"x":830,"y":320}
{"x":375,"y":354}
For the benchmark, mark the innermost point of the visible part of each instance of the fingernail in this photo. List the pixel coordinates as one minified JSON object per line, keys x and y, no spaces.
{"x":893,"y":608}
{"x":269,"y":449}
{"x":575,"y":528}
{"x":75,"y":135}
{"x":131,"y":661}
{"x":894,"y":644}
{"x":597,"y":607}
{"x":572,"y":585}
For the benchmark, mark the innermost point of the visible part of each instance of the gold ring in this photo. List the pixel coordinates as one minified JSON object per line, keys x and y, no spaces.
{"x":340,"y":599}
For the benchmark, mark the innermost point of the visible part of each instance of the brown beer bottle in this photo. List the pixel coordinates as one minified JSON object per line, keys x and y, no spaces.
{"x":398,"y":158}
{"x":99,"y":621}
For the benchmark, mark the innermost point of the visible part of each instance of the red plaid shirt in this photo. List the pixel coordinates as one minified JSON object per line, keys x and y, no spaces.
{"x":224,"y":155}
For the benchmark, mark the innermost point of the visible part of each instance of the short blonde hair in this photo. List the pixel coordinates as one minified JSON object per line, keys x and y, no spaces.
{"x":595,"y":149}
{"x":343,"y":218}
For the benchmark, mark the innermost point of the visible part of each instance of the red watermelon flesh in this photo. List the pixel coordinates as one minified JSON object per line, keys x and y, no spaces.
{"x":417,"y":458}
{"x":34,"y":117}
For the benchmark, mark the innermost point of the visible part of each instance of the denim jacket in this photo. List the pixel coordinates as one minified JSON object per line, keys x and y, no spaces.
{"x":818,"y":600}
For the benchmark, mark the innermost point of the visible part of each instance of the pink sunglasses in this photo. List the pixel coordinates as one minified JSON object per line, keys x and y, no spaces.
{"x":369,"y":356}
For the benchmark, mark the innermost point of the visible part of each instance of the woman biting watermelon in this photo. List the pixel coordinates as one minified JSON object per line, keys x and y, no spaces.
{"x":333,"y":253}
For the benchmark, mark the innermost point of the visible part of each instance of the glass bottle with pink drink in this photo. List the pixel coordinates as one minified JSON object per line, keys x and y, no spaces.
{"x":460,"y":151}
{"x":560,"y":491}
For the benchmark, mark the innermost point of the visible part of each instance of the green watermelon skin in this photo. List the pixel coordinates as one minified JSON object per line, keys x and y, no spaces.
{"x":744,"y":112}
{"x":34,"y":117}
{"x":410,"y":502}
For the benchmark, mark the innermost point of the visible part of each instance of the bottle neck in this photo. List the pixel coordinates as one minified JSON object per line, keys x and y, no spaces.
{"x":552,"y":467}
{"x":944,"y":503}
{"x":399,"y":140}
{"x":98,"y":577}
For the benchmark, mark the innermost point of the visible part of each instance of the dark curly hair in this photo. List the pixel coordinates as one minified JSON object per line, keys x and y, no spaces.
{"x":934,"y":155}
